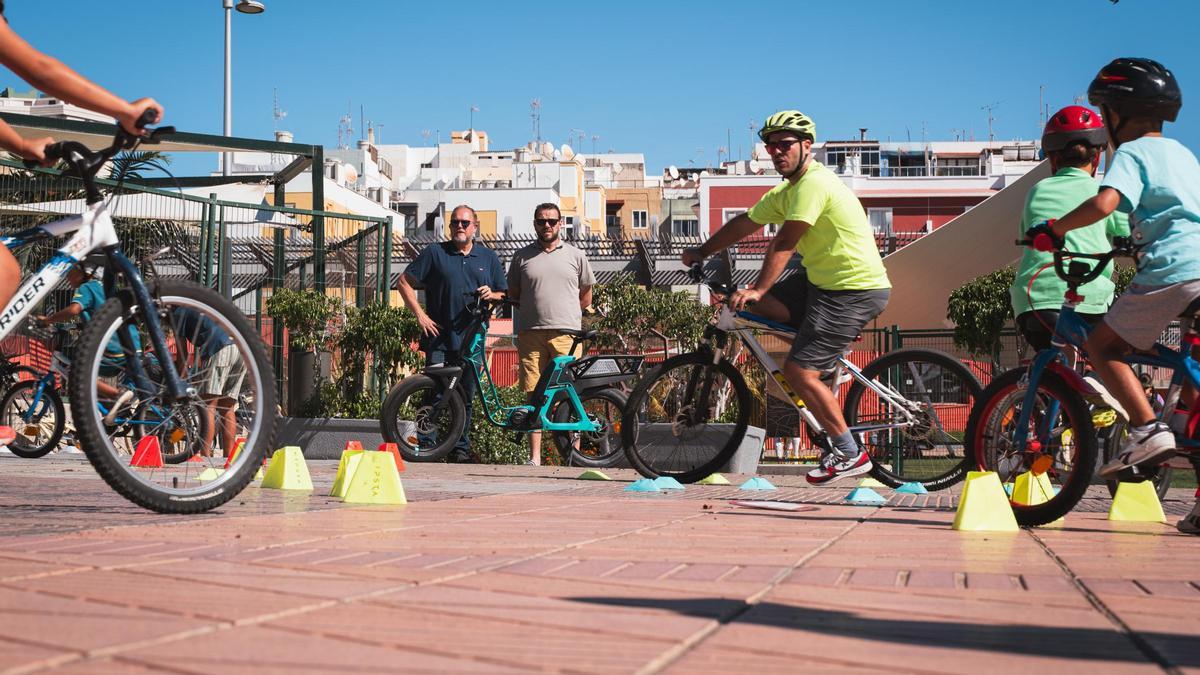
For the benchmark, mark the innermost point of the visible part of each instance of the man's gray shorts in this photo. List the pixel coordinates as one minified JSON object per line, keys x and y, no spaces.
{"x":1143,"y":312}
{"x":827,"y":321}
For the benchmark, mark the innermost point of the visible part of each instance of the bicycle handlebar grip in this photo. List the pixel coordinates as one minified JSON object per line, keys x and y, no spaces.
{"x":149,"y":116}
{"x":1044,"y":243}
{"x":696,"y":272}
{"x":52,"y":152}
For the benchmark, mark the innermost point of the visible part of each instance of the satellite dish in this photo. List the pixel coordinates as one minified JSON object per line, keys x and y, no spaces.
{"x":673,"y":172}
{"x":704,"y":174}
{"x":567,"y":153}
{"x":616,"y":168}
{"x":547,"y":149}
{"x":558,"y":156}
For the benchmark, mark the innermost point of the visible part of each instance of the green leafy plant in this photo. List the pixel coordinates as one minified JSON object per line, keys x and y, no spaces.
{"x":494,"y":445}
{"x":306,"y":315}
{"x":631,"y":314}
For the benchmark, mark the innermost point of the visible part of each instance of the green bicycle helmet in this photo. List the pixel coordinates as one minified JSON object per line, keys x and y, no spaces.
{"x":789,"y":120}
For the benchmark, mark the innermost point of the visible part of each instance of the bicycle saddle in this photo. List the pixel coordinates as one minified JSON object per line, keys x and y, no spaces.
{"x":581,"y":334}
{"x":443,"y":371}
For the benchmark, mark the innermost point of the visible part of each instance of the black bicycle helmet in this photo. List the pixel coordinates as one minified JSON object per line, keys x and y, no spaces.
{"x":1137,"y":88}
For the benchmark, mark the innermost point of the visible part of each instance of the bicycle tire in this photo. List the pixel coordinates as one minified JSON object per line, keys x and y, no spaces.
{"x":1111,"y":441}
{"x":634,"y":438}
{"x":982,"y":436}
{"x":607,"y":440}
{"x":51,"y":403}
{"x":957,"y":395}
{"x":407,"y":440}
{"x":185,"y":492}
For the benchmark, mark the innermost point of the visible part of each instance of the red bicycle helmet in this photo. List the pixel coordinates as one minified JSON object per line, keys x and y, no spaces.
{"x":1073,"y":124}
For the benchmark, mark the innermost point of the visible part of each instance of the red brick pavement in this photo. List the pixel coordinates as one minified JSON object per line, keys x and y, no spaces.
{"x":498,"y":569}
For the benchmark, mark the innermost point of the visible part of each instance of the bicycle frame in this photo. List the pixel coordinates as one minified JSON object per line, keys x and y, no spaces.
{"x":743,"y":324}
{"x":499,"y":414}
{"x":93,"y":230}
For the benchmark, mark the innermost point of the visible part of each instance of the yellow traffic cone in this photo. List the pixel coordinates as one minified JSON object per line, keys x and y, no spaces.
{"x":1032,"y":489}
{"x":983,"y":505}
{"x":713,"y":479}
{"x":1137,"y":503}
{"x":346,"y":466}
{"x":211,"y":473}
{"x":375,"y":480}
{"x":870,"y":482}
{"x":287,"y":471}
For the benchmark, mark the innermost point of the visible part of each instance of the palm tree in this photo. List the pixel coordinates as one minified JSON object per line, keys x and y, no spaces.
{"x":131,"y":164}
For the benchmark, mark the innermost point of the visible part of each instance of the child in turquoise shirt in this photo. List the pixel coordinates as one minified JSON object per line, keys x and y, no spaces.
{"x":1157,"y":182}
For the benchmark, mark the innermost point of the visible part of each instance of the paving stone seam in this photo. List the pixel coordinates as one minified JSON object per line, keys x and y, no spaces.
{"x":1139,"y":642}
{"x":691,"y":642}
{"x":222,"y":625}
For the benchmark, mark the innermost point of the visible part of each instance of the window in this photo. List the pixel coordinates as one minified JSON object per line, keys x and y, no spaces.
{"x":685,"y":227}
{"x":729,"y":214}
{"x":640,"y":221}
{"x":881,"y":220}
{"x":569,"y":227}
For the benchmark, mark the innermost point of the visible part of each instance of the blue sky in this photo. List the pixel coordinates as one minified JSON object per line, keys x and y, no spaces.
{"x":666,"y":79}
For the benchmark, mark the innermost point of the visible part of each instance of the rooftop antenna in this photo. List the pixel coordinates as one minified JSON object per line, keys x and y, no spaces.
{"x":991,"y":118}
{"x":1041,"y":107}
{"x":379,"y":134}
{"x":594,"y":139}
{"x":752,"y":126}
{"x":474,"y":109}
{"x":276,"y":113}
{"x":425,"y":134}
{"x":535,"y":107}
{"x":362,"y":121}
{"x":345,"y":129}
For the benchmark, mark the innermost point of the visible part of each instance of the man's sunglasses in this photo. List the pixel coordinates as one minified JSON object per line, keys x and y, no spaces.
{"x":546,"y":221}
{"x":781,"y":146}
{"x":461,"y":223}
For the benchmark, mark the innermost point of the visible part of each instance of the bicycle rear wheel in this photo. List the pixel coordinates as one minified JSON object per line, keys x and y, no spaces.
{"x":423,"y":426}
{"x":919,"y":439}
{"x":228,"y":364}
{"x":591,"y":448}
{"x":1060,"y":440}
{"x":685,"y":418}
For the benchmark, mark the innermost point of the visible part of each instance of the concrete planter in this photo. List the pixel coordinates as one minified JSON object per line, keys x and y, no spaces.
{"x":744,"y":460}
{"x":326,"y":437}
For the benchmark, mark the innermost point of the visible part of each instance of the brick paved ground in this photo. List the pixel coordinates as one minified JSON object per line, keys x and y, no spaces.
{"x":498,"y":569}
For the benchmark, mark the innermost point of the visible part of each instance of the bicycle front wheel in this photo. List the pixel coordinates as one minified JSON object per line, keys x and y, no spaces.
{"x":1060,"y":443}
{"x":912,"y":417}
{"x":591,"y":448}
{"x":685,"y":418}
{"x":422,"y":425}
{"x":226,"y":367}
{"x":35,"y":411}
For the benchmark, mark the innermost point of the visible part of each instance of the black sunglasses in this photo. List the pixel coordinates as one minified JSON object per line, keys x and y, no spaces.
{"x":546,"y":221}
{"x":461,"y":223}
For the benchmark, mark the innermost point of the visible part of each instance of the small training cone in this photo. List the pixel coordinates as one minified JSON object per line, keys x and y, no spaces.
{"x":211,"y":473}
{"x":237,"y":447}
{"x":375,"y":480}
{"x":983,"y":505}
{"x":912,"y":488}
{"x":1137,"y":503}
{"x":1008,"y":488}
{"x":1031,"y":489}
{"x":196,"y":458}
{"x":394,"y":451}
{"x":757,"y":483}
{"x":866,"y":496}
{"x":147,"y":454}
{"x":346,"y":468}
{"x":870,"y":482}
{"x":642,"y":485}
{"x":287,"y":470}
{"x":713,"y":479}
{"x":667,"y":483}
{"x":592,"y":474}
{"x":259,"y":475}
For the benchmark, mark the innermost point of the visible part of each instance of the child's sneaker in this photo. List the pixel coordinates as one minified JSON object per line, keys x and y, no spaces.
{"x":833,"y":467}
{"x":1191,"y":522}
{"x":1152,"y":446}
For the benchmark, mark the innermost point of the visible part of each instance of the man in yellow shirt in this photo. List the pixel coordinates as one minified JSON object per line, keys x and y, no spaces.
{"x":844,"y":287}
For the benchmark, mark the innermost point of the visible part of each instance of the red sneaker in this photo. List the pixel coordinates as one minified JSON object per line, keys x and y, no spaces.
{"x":833,"y":467}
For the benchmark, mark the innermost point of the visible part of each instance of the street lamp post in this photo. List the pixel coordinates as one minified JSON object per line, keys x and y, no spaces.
{"x":245,"y":7}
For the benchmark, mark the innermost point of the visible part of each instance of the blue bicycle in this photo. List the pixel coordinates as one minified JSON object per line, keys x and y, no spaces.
{"x":1040,"y":419}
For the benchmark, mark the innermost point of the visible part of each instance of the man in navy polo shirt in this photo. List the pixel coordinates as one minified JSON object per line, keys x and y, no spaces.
{"x":451,"y":271}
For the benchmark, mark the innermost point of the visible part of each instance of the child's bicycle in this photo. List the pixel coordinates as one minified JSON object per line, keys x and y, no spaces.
{"x":907,"y":408}
{"x":1039,"y":418}
{"x":137,"y":470}
{"x":576,"y":399}
{"x":34,"y":408}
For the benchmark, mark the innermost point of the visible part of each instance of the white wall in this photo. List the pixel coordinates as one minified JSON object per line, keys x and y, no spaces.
{"x":515,"y":203}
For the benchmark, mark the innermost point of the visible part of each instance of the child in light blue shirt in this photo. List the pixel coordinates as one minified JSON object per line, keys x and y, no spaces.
{"x":1157,"y":182}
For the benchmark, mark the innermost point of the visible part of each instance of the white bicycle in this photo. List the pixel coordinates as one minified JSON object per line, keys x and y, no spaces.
{"x":184,"y":350}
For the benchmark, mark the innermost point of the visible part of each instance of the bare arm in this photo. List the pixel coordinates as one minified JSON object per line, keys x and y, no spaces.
{"x":780,"y":251}
{"x":1095,"y":209}
{"x":66,"y":313}
{"x":409,"y":295}
{"x":57,"y":79}
{"x":585,"y":297}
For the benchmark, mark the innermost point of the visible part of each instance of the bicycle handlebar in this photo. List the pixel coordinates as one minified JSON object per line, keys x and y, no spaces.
{"x":1078,"y":273}
{"x":696,"y":272}
{"x":86,"y":162}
